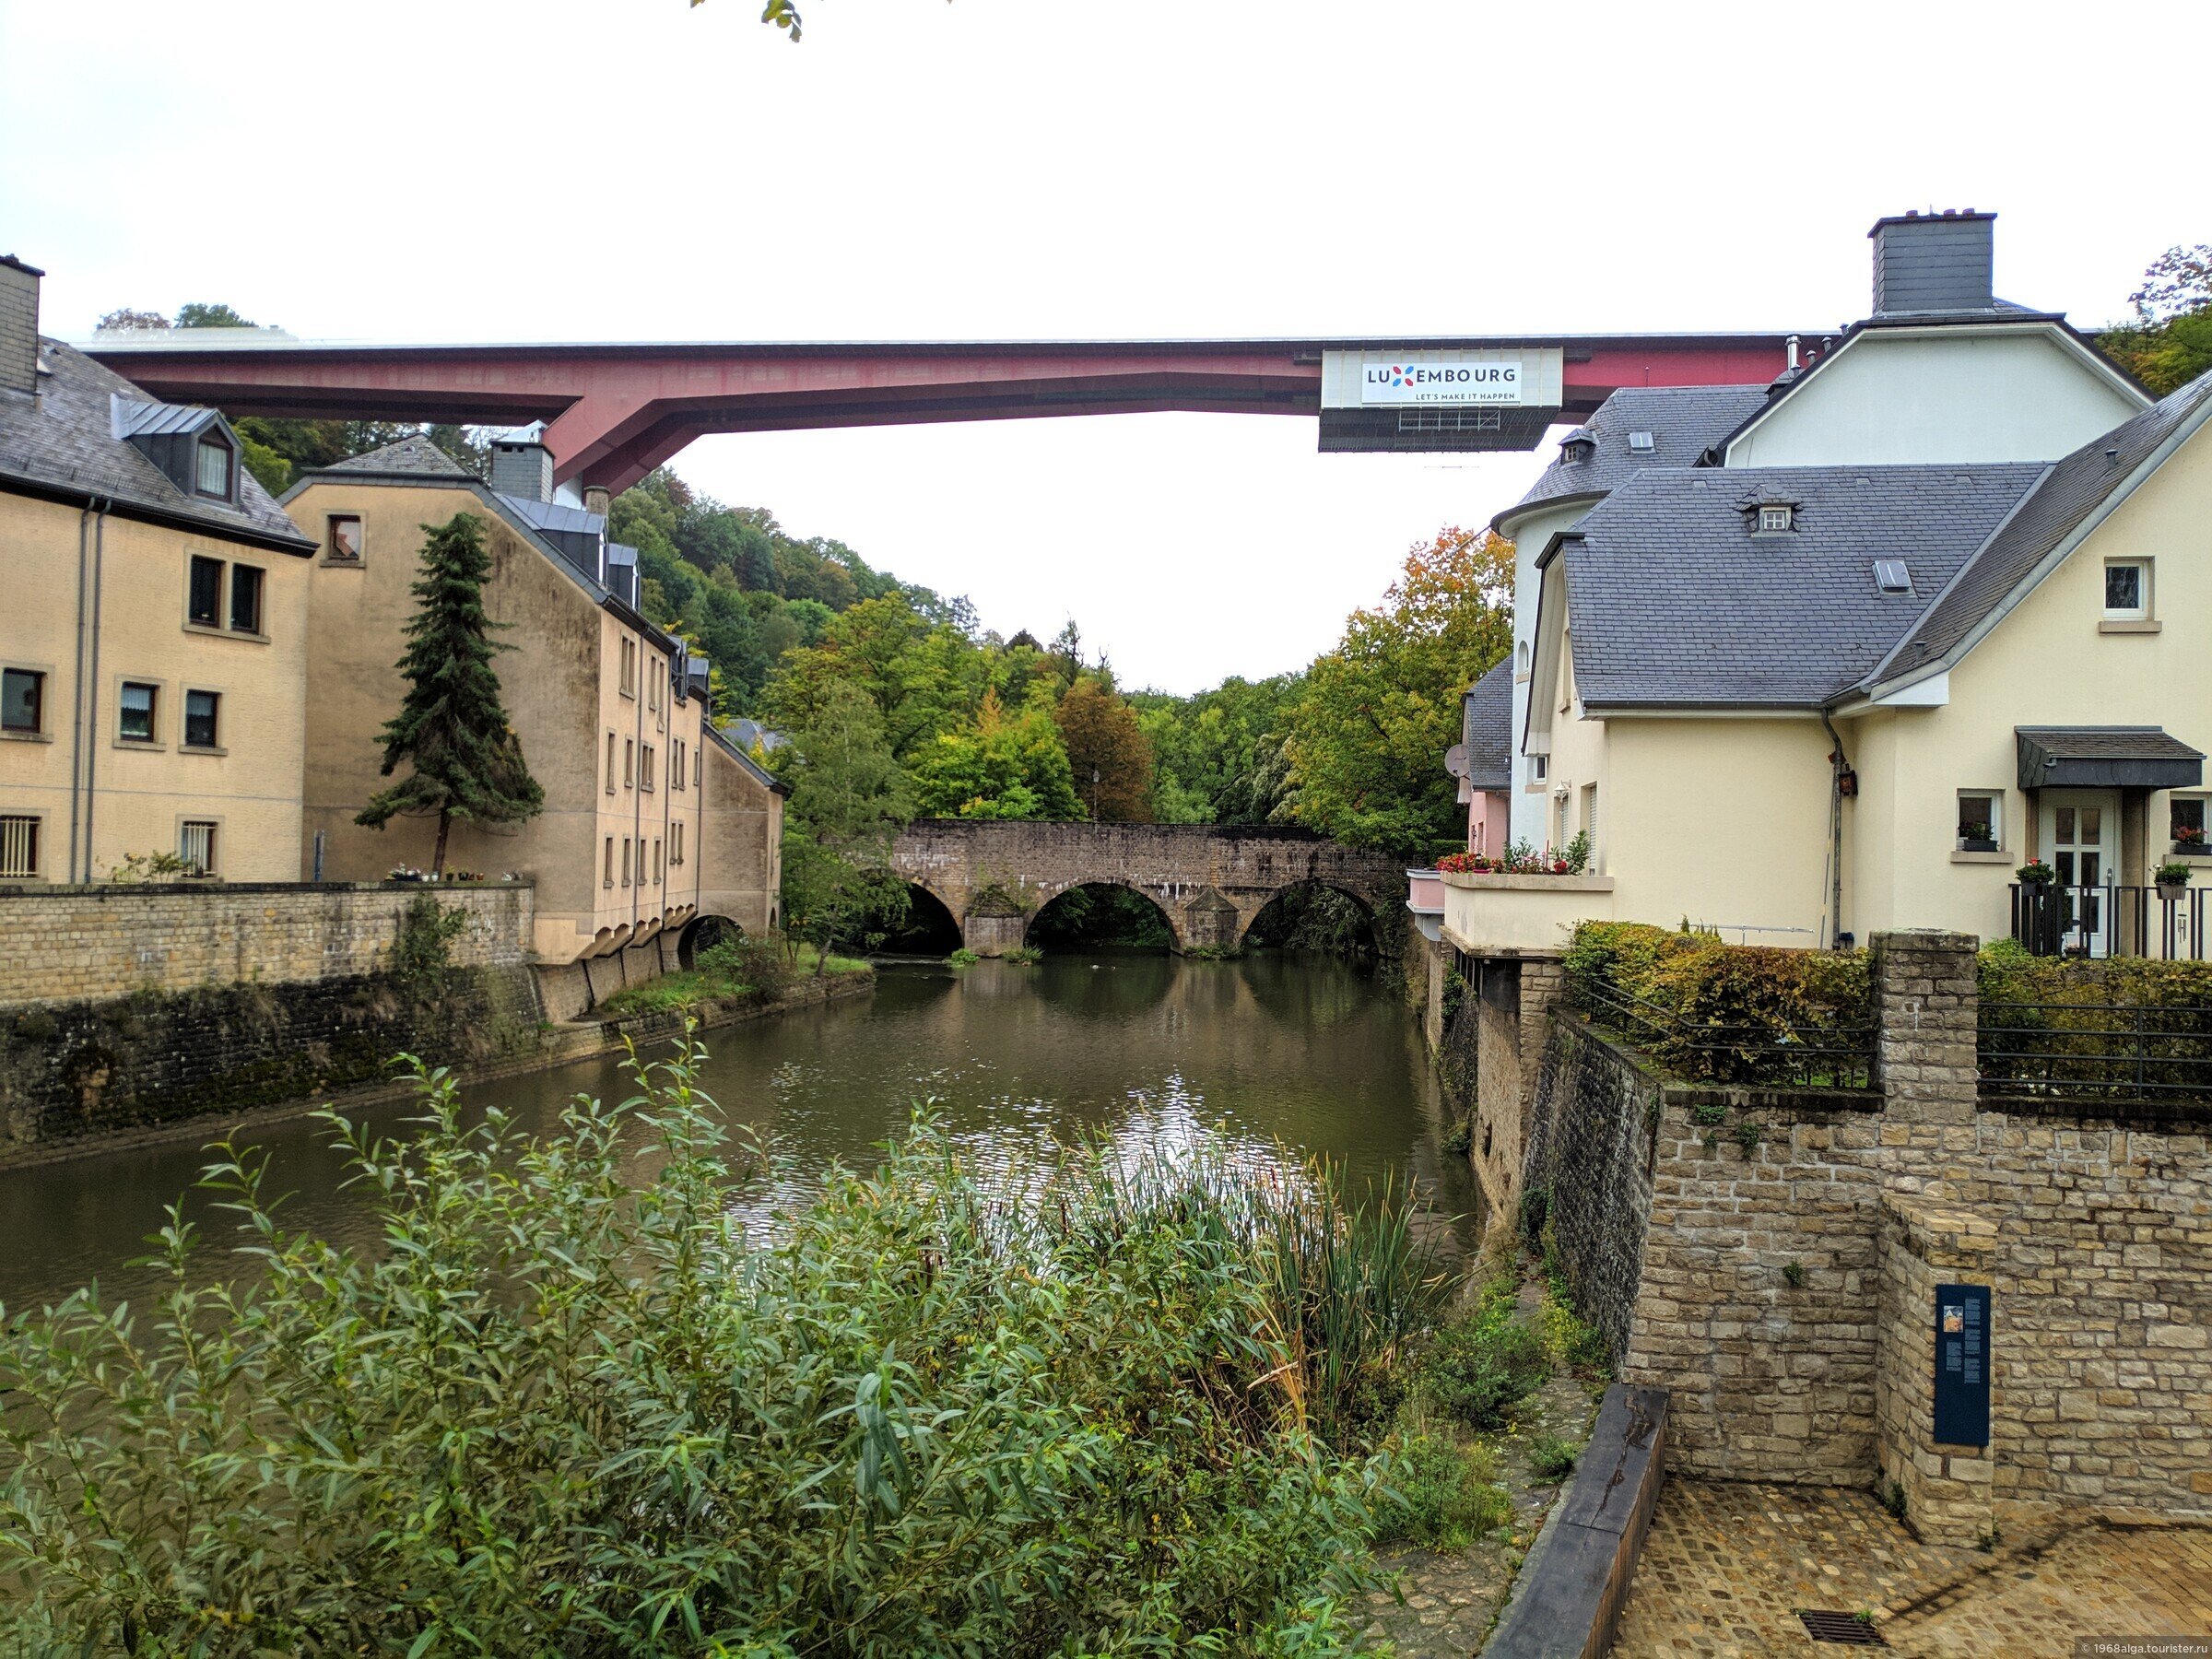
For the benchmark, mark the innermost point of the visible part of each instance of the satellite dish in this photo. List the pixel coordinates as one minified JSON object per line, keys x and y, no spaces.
{"x":1455,"y":760}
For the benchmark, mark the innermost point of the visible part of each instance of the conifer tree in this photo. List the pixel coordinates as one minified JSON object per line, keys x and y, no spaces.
{"x":451,"y":726}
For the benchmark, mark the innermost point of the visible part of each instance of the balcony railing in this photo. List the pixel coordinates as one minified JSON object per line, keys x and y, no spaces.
{"x":2165,"y":923}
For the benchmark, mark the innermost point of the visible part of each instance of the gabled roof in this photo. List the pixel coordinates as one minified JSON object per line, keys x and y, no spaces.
{"x":2004,"y":312}
{"x":63,"y":443}
{"x":2072,"y":495}
{"x":413,"y":456}
{"x":1684,"y":421}
{"x":1487,"y":728}
{"x":1674,"y":602}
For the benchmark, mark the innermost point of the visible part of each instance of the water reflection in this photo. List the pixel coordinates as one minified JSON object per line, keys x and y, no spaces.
{"x":1271,"y":1049}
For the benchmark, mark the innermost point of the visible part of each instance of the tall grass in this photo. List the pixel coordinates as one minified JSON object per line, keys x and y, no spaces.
{"x":569,"y":1408}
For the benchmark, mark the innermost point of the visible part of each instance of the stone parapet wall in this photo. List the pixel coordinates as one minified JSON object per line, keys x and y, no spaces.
{"x":70,"y":944}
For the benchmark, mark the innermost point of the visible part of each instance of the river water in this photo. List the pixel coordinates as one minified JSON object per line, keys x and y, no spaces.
{"x":1273,"y":1050}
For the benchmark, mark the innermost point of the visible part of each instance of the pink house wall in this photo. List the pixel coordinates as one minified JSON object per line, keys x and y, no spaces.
{"x":1487,"y":821}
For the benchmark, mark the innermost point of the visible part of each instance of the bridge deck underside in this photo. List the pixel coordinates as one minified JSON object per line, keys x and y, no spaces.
{"x":616,"y":412}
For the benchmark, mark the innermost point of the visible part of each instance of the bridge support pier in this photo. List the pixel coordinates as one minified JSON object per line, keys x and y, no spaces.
{"x":991,"y":936}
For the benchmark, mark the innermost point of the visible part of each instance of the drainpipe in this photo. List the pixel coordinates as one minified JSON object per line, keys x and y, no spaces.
{"x":1839,"y":764}
{"x":76,"y":688}
{"x":637,"y":799}
{"x":100,"y":565}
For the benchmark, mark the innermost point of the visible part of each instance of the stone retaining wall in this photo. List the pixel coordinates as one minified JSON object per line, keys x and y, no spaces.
{"x":67,"y":943}
{"x":1779,"y":1261}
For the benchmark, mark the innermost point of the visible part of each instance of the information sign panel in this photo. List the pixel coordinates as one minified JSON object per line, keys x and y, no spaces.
{"x":1962,"y":1365}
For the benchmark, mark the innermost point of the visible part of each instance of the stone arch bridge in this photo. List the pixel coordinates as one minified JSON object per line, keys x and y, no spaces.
{"x":1209,"y":880}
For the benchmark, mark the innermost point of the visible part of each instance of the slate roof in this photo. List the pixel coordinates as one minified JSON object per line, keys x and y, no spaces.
{"x":1672,"y":600}
{"x":1684,"y":421}
{"x":64,"y":439}
{"x":1487,"y":728}
{"x":413,"y":456}
{"x":2073,"y":489}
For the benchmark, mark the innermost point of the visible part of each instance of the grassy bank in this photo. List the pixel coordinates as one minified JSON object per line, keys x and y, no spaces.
{"x":741,"y":970}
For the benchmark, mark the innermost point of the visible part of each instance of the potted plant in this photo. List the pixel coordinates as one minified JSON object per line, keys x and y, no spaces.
{"x":1976,"y":838}
{"x":2173,"y":875}
{"x":2188,"y":838}
{"x":2036,"y":873}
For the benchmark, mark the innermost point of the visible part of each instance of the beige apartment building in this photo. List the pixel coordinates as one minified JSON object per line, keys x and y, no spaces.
{"x":653,"y":829}
{"x":154,"y":648}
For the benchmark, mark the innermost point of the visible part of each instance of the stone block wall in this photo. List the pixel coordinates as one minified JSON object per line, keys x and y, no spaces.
{"x":73,"y":1069}
{"x":1947,"y":1491}
{"x":1779,"y":1260}
{"x":75,"y":943}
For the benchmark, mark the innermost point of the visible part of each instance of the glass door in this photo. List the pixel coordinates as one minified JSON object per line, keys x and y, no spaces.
{"x":2081,"y":833}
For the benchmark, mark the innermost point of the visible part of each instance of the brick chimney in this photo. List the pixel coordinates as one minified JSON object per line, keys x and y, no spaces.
{"x":520,"y":466}
{"x":19,"y":325}
{"x":1934,"y":261}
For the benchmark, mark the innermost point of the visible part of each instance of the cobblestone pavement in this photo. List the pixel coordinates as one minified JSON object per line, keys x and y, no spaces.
{"x":1728,"y":1564}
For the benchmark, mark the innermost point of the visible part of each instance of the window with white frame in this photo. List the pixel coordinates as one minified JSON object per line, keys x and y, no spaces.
{"x":18,"y":845}
{"x":195,"y":846}
{"x":1775,"y":518}
{"x":1980,"y":823}
{"x":1539,"y":767}
{"x":214,"y":468}
{"x":2127,"y":590}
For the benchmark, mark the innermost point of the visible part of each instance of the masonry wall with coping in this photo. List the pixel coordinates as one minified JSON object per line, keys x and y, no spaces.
{"x":76,"y":943}
{"x":1776,"y":1273}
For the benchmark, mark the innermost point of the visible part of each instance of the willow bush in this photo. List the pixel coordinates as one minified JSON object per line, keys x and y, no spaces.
{"x":569,"y":1408}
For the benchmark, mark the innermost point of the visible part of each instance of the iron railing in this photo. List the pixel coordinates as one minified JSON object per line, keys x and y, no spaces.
{"x":2096,"y":1050}
{"x":2165,"y":923}
{"x":1801,"y":1054}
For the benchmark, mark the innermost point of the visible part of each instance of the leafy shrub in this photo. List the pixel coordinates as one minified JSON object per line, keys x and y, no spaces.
{"x":569,"y":1407}
{"x":745,"y":963}
{"x":1025,"y":956}
{"x":2075,"y":1023}
{"x":1479,"y":1367}
{"x":422,"y":950}
{"x":1717,"y":1012}
{"x":1449,"y":1495}
{"x":1552,"y":1458}
{"x":963,"y":957}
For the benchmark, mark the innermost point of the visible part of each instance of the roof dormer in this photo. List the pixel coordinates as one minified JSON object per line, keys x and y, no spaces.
{"x":195,"y":448}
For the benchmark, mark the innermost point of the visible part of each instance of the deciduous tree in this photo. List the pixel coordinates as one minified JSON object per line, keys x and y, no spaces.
{"x":2169,"y":343}
{"x":1369,"y":734}
{"x":848,"y":799}
{"x":1108,"y":751}
{"x":451,"y":728}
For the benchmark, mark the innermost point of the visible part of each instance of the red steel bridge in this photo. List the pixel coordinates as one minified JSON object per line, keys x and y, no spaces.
{"x":614,"y":412}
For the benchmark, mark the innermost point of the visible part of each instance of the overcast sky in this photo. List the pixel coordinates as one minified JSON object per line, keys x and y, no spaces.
{"x":551,"y":170}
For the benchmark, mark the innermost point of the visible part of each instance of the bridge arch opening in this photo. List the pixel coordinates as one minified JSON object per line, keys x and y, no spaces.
{"x":1316,"y":916}
{"x":928,"y":928}
{"x":702,"y":934}
{"x":1100,"y":915}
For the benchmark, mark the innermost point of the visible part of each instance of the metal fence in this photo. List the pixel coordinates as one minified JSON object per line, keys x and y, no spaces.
{"x":1770,"y":1048}
{"x":2164,"y":923}
{"x":2096,"y":1050}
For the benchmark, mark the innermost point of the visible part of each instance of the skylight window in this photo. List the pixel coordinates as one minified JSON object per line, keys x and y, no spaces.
{"x":1639,"y":443}
{"x":1891,"y":577}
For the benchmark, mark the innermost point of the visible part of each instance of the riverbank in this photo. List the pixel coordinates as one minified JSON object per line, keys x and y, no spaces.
{"x":551,"y":1045}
